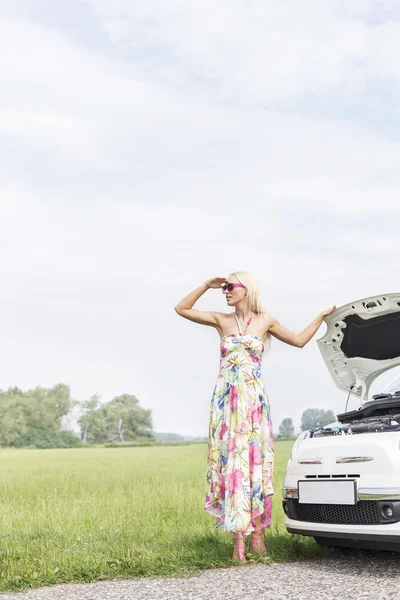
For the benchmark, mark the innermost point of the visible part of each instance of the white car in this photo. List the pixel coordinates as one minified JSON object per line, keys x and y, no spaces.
{"x":342,"y":482}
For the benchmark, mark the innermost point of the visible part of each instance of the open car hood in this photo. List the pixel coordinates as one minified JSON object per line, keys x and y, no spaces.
{"x":362,"y":341}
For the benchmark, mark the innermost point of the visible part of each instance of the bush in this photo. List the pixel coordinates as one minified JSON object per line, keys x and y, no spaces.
{"x":69,"y":439}
{"x":44,"y":439}
{"x":149,"y":442}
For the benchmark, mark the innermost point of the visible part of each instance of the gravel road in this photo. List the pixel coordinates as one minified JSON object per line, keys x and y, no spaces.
{"x":351,"y":576}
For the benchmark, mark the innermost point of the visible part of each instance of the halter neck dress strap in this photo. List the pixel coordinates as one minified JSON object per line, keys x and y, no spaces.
{"x":247,"y":324}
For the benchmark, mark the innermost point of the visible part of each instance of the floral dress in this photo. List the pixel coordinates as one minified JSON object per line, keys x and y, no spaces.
{"x":240,"y":448}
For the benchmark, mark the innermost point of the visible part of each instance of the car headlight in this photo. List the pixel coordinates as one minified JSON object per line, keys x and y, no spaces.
{"x":303,"y":436}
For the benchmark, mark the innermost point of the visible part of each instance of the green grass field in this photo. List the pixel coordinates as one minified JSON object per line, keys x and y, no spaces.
{"x":90,"y":514}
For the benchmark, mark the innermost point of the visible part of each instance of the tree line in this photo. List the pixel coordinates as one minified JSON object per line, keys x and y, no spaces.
{"x":41,"y":418}
{"x":312,"y":417}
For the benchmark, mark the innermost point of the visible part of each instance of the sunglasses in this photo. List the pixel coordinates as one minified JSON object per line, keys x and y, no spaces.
{"x":228,"y":287}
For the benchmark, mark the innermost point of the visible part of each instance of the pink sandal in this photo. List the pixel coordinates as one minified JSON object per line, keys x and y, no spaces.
{"x":258,"y":541}
{"x":241,"y":549}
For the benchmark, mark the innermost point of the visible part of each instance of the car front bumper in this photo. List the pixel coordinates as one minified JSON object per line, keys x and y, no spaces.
{"x":377,"y":537}
{"x":364,"y":524}
{"x":384,"y":537}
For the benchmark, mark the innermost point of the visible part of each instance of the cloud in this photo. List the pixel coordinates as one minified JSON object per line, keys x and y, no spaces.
{"x":146,"y":147}
{"x":250,"y":53}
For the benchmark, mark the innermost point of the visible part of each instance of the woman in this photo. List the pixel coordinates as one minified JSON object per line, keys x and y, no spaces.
{"x":240,"y":449}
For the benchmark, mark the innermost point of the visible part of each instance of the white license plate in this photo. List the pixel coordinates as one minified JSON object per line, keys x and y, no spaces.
{"x":328,"y":492}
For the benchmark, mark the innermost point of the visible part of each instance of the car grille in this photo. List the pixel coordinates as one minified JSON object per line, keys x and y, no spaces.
{"x":365,"y":512}
{"x":350,"y":476}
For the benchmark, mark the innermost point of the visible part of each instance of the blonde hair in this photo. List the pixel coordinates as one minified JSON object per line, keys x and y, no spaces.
{"x":253,"y":291}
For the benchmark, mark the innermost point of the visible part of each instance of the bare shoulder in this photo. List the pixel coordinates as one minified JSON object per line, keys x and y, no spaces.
{"x":268,"y":320}
{"x":223,"y":317}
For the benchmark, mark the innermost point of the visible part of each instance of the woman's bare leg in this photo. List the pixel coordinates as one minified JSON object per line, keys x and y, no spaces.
{"x":257,"y":538}
{"x":239,"y":546}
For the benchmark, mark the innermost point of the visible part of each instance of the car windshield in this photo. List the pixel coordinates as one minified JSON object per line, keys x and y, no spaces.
{"x":393,"y":386}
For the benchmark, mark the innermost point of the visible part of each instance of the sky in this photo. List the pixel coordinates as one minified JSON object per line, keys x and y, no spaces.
{"x":148,"y":146}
